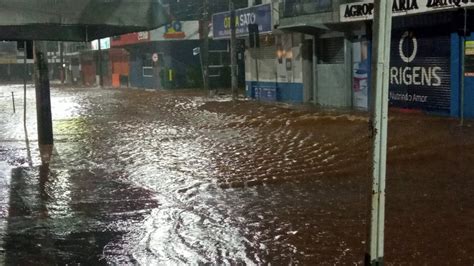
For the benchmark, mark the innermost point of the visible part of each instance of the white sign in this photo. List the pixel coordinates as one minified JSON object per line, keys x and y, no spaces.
{"x":365,"y":10}
{"x":413,"y":74}
{"x":143,"y":35}
{"x":104,"y":44}
{"x":155,"y":57}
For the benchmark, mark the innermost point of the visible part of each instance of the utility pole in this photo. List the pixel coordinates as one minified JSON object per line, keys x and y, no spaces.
{"x":101,"y":80}
{"x":233,"y":50}
{"x":380,"y":67}
{"x":61,"y":61}
{"x":43,"y":95}
{"x":204,"y":53}
{"x":25,"y":74}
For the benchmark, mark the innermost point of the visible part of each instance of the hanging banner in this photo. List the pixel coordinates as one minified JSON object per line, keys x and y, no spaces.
{"x":365,"y":10}
{"x":260,"y":15}
{"x":420,"y":71}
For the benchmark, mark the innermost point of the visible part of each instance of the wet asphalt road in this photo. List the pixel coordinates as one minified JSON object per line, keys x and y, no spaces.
{"x":151,"y":178}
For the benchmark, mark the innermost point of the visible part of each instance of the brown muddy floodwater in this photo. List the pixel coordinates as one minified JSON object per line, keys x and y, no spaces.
{"x":158,"y":178}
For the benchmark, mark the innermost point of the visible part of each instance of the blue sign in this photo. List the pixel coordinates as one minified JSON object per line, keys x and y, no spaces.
{"x":265,"y":93}
{"x":420,"y":72}
{"x":260,"y":15}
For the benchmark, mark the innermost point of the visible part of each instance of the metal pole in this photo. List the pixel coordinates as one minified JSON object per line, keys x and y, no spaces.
{"x":25,"y":78}
{"x":233,"y":50}
{"x":257,"y":74}
{"x":463,"y":66}
{"x":25,"y":73}
{"x":101,"y":81}
{"x":315,"y":72}
{"x":61,"y":61}
{"x":43,"y":95}
{"x":13,"y":102}
{"x":380,"y":84}
{"x":204,"y":53}
{"x":202,"y":70}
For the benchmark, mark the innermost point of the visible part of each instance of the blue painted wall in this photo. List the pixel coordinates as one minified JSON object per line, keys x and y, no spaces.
{"x":455,"y":74}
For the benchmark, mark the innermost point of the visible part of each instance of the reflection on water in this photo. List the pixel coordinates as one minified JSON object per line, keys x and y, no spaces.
{"x":177,"y":178}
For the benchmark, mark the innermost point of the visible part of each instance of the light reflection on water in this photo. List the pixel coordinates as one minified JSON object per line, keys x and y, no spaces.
{"x":177,"y":178}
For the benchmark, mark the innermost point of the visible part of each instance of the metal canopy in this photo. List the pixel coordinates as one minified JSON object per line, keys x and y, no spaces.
{"x":77,"y":20}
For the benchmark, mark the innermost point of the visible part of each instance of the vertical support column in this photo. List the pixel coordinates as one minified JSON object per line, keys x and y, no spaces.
{"x":463,"y":66}
{"x":315,"y":71}
{"x":204,"y":54}
{"x":43,"y":97}
{"x":25,"y":74}
{"x":349,"y":73}
{"x":61,"y":61}
{"x":233,"y":50}
{"x":101,"y":79}
{"x":380,"y":66}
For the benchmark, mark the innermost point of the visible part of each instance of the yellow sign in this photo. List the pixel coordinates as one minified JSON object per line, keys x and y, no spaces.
{"x":469,"y":47}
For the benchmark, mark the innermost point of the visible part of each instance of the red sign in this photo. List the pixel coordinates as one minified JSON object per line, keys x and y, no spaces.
{"x":131,"y":38}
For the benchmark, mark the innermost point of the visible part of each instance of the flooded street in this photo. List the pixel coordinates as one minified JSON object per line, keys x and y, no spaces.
{"x":160,"y":178}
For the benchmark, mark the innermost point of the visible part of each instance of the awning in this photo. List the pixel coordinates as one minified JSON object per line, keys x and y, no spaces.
{"x":77,"y":20}
{"x":306,"y":28}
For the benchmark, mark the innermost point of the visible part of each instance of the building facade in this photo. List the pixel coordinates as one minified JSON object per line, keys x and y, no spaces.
{"x":12,"y":67}
{"x":321,"y":52}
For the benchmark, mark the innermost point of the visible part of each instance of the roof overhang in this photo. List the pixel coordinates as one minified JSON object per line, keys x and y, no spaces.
{"x":307,"y":28}
{"x":77,"y":20}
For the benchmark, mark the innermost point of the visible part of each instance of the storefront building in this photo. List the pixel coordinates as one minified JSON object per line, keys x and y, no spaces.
{"x":427,"y":54}
{"x":274,"y":66}
{"x":163,"y":58}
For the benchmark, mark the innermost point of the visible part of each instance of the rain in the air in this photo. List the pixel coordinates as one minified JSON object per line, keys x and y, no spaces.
{"x":236,"y":132}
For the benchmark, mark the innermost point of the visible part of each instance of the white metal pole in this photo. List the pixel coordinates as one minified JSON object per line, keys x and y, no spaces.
{"x":380,"y":67}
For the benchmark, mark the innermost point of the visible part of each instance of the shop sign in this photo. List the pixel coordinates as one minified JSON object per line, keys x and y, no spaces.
{"x":131,"y":38}
{"x":176,"y":31}
{"x":260,"y":15}
{"x":469,"y":59}
{"x":365,"y":10}
{"x":265,"y":92}
{"x":469,"y":47}
{"x":420,"y":71}
{"x":104,"y":44}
